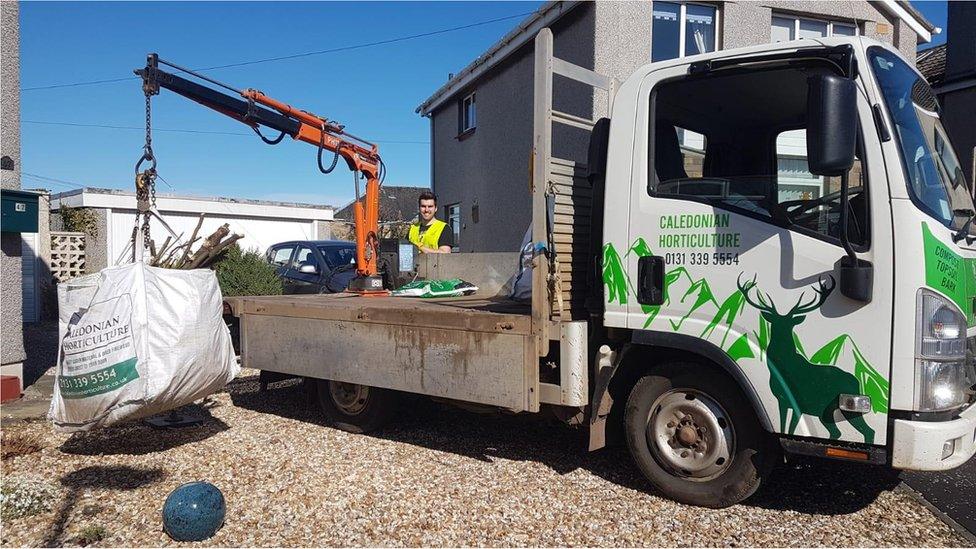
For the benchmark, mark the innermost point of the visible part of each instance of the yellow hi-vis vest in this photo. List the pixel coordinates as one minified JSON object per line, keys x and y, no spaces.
{"x":430,"y":238}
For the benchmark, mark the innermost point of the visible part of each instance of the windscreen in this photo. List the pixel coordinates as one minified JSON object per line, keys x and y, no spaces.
{"x":935,"y":180}
{"x":337,"y":256}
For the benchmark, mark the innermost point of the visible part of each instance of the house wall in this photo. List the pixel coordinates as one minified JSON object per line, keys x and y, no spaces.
{"x":960,"y":121}
{"x":487,"y":171}
{"x":960,"y":78}
{"x":490,"y":167}
{"x":11,"y":327}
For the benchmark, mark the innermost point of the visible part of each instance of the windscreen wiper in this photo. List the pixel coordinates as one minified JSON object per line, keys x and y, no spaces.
{"x":964,"y":231}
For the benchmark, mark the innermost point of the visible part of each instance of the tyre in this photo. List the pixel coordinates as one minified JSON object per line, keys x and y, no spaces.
{"x":355,"y":408}
{"x":695,"y":436}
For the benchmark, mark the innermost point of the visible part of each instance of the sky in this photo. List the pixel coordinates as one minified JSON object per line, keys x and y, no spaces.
{"x":372,"y":90}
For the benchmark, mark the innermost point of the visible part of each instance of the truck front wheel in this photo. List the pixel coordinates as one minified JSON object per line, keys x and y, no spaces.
{"x":355,"y":408}
{"x":695,"y":436}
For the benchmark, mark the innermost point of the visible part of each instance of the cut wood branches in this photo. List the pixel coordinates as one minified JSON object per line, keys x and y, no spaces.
{"x":174,"y":255}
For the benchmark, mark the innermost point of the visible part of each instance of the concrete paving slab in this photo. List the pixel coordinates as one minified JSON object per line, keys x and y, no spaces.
{"x":33,"y":404}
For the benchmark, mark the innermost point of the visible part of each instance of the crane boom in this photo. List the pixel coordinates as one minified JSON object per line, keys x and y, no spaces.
{"x":257,"y":110}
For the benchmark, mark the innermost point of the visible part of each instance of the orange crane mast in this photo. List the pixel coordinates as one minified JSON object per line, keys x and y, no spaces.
{"x":258,"y":110}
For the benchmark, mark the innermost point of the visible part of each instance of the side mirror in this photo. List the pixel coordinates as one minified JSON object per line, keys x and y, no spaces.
{"x":831,"y":124}
{"x":308,"y":269}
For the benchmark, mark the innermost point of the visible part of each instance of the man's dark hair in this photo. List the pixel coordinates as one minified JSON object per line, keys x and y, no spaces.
{"x":427,"y":195}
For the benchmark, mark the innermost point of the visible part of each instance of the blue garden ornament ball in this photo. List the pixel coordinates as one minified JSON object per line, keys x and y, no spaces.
{"x":193,"y":512}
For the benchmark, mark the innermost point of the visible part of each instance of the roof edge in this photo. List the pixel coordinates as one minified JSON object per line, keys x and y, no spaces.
{"x":508,"y":44}
{"x":907,"y":13}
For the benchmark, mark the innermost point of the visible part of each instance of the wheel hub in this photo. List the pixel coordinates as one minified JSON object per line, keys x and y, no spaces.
{"x":690,"y":435}
{"x":349,"y":398}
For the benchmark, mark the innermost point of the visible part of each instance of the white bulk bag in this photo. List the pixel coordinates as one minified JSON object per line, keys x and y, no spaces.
{"x":136,"y":341}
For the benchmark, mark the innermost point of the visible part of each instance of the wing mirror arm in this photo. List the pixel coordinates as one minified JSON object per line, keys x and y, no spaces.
{"x":832,"y":121}
{"x":856,"y":275}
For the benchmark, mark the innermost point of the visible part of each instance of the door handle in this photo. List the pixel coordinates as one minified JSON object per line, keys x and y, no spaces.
{"x":650,"y":280}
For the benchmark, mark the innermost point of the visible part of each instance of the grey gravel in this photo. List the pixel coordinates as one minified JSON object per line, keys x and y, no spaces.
{"x":440,"y":476}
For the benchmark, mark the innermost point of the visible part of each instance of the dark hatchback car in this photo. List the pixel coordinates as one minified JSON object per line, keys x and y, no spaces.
{"x":314,"y":266}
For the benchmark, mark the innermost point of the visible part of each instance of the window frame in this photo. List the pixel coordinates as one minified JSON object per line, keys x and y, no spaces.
{"x":652,"y":181}
{"x":464,"y":129}
{"x":293,"y":264}
{"x":796,"y":24}
{"x":274,"y":250}
{"x":683,"y":31}
{"x":455,"y":230}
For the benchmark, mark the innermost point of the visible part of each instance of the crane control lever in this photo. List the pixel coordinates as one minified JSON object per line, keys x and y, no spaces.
{"x":257,"y":110}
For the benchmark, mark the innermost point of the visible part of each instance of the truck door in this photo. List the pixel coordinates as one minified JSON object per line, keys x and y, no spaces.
{"x":746,"y":243}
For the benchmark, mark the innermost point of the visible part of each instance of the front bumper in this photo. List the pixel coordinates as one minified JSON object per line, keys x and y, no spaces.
{"x":918,"y":444}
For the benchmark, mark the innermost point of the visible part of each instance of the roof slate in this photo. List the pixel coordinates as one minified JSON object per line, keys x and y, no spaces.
{"x":931,"y":63}
{"x":396,"y":204}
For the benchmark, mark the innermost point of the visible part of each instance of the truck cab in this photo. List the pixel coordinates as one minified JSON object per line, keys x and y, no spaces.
{"x":790,"y":219}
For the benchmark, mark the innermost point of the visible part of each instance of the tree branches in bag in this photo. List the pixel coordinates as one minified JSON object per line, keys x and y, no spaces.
{"x":172,"y":255}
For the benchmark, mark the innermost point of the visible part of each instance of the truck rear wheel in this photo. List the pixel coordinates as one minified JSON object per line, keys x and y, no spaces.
{"x":355,"y":408}
{"x":695,"y":436}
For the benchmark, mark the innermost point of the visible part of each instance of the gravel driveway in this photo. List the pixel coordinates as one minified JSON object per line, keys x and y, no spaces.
{"x":440,"y":476}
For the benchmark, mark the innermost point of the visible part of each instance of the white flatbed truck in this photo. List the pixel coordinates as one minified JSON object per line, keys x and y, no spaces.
{"x":692,"y":299}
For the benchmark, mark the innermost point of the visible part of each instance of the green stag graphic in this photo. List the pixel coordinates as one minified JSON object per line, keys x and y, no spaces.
{"x":797,"y":383}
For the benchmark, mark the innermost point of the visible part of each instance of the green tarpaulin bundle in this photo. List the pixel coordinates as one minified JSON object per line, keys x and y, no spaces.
{"x":452,"y":287}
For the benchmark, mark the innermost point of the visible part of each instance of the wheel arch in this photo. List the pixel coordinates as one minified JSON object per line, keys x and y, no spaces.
{"x":680,"y":346}
{"x":662,"y":347}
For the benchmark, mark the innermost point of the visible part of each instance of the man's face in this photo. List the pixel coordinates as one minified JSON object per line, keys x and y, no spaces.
{"x":427,"y":210}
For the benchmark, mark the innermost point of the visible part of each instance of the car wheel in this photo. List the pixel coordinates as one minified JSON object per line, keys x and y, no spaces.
{"x":695,"y":437}
{"x":355,"y":408}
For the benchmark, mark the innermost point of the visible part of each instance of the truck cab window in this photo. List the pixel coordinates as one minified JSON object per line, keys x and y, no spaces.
{"x":812,"y":202}
{"x":736,"y":139}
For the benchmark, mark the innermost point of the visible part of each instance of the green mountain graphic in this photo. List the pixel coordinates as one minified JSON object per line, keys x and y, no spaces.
{"x":843,"y":350}
{"x":681,"y":288}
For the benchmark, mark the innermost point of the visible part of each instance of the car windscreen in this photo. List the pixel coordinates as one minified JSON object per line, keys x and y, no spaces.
{"x":935,"y":180}
{"x":338,"y":255}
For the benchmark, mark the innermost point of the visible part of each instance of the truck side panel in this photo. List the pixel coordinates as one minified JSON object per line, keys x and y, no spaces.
{"x":480,"y":367}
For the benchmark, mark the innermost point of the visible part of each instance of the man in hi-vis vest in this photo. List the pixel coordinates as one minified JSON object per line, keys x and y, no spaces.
{"x":430,"y":235}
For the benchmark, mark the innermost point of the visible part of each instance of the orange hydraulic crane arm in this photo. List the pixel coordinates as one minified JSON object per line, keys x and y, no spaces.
{"x":256,"y":109}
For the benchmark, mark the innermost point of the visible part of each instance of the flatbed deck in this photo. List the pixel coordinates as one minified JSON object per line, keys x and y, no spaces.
{"x":465,"y":348}
{"x":471,"y":313}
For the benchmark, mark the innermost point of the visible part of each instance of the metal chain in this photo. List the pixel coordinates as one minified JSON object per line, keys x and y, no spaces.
{"x":149,"y":179}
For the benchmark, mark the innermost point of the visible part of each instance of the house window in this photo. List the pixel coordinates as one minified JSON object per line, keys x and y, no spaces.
{"x":680,"y":29}
{"x":467,"y":114}
{"x":785,"y":28}
{"x":453,"y":214}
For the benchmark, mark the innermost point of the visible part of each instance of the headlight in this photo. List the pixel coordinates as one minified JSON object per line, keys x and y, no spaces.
{"x":942,"y":377}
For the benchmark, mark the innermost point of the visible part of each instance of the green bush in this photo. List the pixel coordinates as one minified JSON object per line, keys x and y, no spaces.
{"x":91,"y":534}
{"x":242,"y":272}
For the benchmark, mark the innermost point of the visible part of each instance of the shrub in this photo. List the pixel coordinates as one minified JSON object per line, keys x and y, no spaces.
{"x":93,"y":533}
{"x":242,"y":272}
{"x":19,"y":443}
{"x":23,"y":497}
